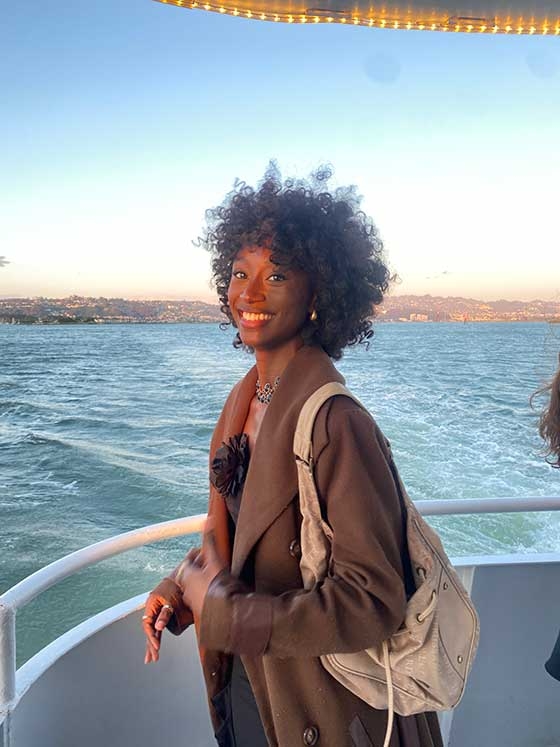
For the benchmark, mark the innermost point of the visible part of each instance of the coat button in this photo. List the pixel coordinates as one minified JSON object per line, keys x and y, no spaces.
{"x":311,"y":735}
{"x":295,"y":552}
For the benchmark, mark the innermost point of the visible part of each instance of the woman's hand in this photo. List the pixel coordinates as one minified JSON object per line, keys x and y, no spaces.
{"x":198,"y":570}
{"x":164,"y":601}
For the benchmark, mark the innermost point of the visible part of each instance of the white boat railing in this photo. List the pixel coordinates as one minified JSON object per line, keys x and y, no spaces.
{"x":29,"y":588}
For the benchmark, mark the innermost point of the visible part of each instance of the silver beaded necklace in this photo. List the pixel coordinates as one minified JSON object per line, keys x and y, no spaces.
{"x":264,"y":393}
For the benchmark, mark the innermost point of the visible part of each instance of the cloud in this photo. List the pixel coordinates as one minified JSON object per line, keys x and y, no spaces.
{"x":438,"y":275}
{"x":3,"y":261}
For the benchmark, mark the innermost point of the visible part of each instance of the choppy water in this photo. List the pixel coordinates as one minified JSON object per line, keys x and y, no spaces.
{"x":105,"y":428}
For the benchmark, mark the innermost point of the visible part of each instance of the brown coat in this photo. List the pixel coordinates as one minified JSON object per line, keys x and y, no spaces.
{"x":261,"y":611}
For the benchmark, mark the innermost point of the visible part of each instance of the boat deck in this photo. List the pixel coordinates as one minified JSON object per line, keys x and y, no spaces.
{"x":90,"y":686}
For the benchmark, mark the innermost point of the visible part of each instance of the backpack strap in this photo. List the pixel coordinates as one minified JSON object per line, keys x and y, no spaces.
{"x":303,"y":447}
{"x":316,"y":534}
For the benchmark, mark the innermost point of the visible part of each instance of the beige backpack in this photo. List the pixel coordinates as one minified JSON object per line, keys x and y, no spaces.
{"x":424,"y":665}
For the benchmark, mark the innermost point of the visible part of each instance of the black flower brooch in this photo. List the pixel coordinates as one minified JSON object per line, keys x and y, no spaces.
{"x":229,"y":466}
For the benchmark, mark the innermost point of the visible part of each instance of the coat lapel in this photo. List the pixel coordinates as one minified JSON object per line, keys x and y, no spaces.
{"x":230,"y":422}
{"x":271,"y":482}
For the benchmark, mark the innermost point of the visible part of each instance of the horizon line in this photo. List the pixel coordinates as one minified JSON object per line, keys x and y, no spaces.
{"x":217,"y":303}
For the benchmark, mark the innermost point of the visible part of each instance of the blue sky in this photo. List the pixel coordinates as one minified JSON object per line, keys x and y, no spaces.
{"x":122,"y":121}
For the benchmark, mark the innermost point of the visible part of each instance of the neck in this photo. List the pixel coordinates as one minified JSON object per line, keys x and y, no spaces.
{"x":271,"y":363}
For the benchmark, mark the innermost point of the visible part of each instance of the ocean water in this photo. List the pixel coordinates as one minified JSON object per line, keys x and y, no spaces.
{"x":106,"y":428}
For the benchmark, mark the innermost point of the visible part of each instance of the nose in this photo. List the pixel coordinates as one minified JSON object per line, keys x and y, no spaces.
{"x":253,"y":290}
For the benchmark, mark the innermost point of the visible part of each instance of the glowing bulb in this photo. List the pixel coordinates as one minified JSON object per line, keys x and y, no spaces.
{"x":508,"y":29}
{"x":290,"y":19}
{"x":495,"y":29}
{"x":343,"y":20}
{"x":235,"y":12}
{"x":206,"y":7}
{"x":304,"y":19}
{"x":263,"y":17}
{"x":421,"y":27}
{"x":433,"y":26}
{"x":532,"y":30}
{"x":469,"y":28}
{"x":276,"y":17}
{"x":249,"y":14}
{"x":330,"y":19}
{"x":356,"y":21}
{"x":222,"y":10}
{"x":483,"y":29}
{"x":409,"y":25}
{"x":370,"y":22}
{"x":316,"y":19}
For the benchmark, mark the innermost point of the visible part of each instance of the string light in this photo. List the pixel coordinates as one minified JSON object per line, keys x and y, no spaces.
{"x":420,"y":24}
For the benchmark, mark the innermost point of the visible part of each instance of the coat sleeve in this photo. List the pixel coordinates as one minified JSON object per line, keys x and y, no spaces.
{"x":362,"y":600}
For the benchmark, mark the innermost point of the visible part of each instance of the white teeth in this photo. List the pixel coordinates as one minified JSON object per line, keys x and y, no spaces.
{"x":251,"y":317}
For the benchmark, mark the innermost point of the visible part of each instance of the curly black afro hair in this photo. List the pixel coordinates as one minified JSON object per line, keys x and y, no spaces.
{"x":323,"y":233}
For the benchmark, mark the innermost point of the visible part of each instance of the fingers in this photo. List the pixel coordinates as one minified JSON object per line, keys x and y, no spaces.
{"x":151,"y":654}
{"x":152,"y":639}
{"x":164,"y":617}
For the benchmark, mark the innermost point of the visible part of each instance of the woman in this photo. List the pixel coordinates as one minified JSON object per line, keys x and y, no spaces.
{"x":549,"y":429}
{"x":298,"y":271}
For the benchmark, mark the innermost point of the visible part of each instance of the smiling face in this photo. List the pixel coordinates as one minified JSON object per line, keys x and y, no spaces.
{"x":269,"y":303}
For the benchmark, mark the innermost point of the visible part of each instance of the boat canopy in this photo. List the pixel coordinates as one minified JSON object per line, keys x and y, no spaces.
{"x":465,"y":16}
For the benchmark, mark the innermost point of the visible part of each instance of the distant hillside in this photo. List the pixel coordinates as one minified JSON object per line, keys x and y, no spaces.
{"x":452,"y":308}
{"x":395,"y":308}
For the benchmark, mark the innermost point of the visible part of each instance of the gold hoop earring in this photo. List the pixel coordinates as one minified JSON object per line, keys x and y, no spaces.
{"x":313,"y":316}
